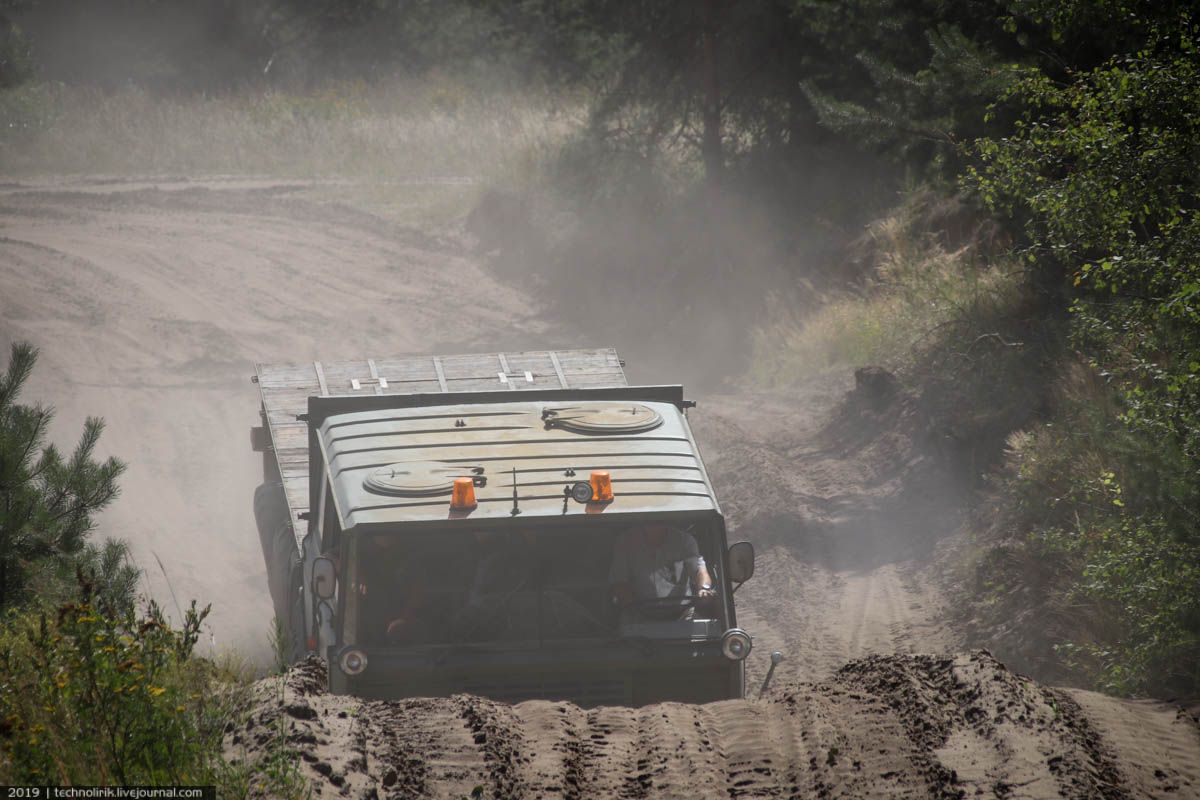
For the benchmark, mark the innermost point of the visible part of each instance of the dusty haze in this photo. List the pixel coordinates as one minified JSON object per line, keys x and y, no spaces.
{"x":152,"y":298}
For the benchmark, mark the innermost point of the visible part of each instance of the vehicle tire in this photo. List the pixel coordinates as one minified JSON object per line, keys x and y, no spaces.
{"x":279,"y":550}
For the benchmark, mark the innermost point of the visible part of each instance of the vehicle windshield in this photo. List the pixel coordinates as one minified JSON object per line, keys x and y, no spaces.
{"x":536,"y":585}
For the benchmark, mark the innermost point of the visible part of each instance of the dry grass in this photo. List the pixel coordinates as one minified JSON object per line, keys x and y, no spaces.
{"x":436,"y":132}
{"x":917,"y":289}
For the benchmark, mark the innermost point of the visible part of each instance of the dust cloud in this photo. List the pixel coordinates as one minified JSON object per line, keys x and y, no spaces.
{"x":152,"y":305}
{"x":152,"y":297}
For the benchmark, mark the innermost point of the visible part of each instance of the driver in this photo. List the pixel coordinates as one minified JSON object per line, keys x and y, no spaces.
{"x":658,"y":562}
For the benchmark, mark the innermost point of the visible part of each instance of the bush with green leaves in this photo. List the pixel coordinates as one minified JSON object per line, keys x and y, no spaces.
{"x":1101,"y":171}
{"x":1138,"y":582}
{"x":93,"y":693}
{"x":1113,"y":585}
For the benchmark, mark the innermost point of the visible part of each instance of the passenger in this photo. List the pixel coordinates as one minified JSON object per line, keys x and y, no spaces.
{"x":394,"y":593}
{"x":658,"y":563}
{"x":410,"y":621}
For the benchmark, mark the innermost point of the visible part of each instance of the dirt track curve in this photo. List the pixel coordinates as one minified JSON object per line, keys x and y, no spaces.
{"x":151,"y":302}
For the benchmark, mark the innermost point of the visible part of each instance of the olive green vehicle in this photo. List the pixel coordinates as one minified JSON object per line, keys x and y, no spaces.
{"x":392,"y":484}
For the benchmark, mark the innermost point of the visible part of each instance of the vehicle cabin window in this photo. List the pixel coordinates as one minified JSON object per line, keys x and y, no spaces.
{"x":537,"y":584}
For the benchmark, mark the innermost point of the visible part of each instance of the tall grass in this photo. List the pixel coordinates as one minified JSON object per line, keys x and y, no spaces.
{"x":397,"y":130}
{"x":917,"y":292}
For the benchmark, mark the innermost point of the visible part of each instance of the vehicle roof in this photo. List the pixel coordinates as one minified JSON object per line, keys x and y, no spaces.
{"x":367,"y":383}
{"x":657,"y":470}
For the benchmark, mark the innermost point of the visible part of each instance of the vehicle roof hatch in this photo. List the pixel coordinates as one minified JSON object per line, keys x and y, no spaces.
{"x":413,"y":479}
{"x":602,"y":419}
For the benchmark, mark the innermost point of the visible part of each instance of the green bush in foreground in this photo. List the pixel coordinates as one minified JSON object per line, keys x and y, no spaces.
{"x":95,"y":694}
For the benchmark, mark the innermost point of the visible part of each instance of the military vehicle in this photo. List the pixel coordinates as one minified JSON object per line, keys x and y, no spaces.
{"x":435,"y":525}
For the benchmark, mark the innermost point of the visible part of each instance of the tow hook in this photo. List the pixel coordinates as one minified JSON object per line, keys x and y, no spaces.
{"x":776,"y":657}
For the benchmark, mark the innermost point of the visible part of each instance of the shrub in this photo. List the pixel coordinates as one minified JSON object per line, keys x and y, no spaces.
{"x":923,"y":295}
{"x":1079,"y":497}
{"x":1100,"y":171}
{"x":93,"y":694}
{"x":1138,"y":585}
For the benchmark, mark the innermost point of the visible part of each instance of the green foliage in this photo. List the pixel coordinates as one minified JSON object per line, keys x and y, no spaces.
{"x":216,"y":45}
{"x":47,"y":500}
{"x":280,"y":645}
{"x":1140,"y":583}
{"x":1101,"y":169}
{"x":27,"y":112}
{"x":908,"y":78}
{"x":1101,"y":558}
{"x":425,"y":135}
{"x":109,"y":569}
{"x":93,"y":694}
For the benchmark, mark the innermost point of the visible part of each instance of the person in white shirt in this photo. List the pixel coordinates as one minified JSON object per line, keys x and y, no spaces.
{"x":655,"y":563}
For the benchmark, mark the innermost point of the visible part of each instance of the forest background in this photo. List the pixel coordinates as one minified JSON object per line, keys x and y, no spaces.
{"x":993,"y":199}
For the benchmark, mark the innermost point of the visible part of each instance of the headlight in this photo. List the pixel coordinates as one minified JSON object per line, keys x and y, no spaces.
{"x":736,"y":644}
{"x":353,"y":661}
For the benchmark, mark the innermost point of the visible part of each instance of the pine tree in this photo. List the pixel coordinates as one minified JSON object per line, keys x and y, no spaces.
{"x":47,"y":501}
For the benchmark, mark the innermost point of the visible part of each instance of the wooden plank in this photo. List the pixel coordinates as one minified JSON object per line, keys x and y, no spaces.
{"x":605,"y":357}
{"x":285,"y":441}
{"x":588,"y":365}
{"x":441,"y":374}
{"x":412,"y":387}
{"x":570,"y":366}
{"x":380,"y":383}
{"x":307,"y":382}
{"x":504,"y":376}
{"x":597,"y":380}
{"x":289,"y":373}
{"x":342,"y":376}
{"x":558,"y":370}
{"x":406,"y":369}
{"x":285,"y":372}
{"x":536,"y":366}
{"x":321,"y":378}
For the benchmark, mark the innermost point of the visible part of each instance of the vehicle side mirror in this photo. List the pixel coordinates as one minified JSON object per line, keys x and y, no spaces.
{"x":324,"y":577}
{"x":741,"y":562}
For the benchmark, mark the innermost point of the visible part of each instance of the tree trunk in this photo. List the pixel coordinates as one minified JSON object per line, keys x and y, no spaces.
{"x":710,"y":143}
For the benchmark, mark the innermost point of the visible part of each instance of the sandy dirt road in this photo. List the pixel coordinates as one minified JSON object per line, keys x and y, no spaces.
{"x":151,"y":303}
{"x":845,"y":514}
{"x":151,"y":306}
